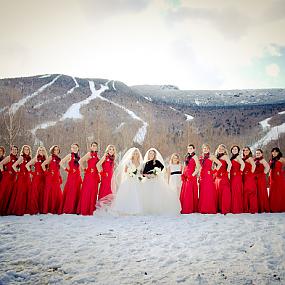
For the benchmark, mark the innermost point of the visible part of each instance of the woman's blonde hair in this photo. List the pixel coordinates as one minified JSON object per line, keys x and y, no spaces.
{"x":22,"y":149}
{"x":44,"y":151}
{"x":172,"y":156}
{"x":108,"y":147}
{"x":217,"y":150}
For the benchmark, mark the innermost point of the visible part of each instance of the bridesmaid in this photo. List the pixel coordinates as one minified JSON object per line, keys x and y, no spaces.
{"x":261,"y":169}
{"x":222,"y":181}
{"x":90,"y":183}
{"x":53,"y":180}
{"x":72,"y":188}
{"x":19,"y":199}
{"x":174,"y":171}
{"x":236,"y":181}
{"x":8,"y":179}
{"x":250,"y":204}
{"x":207,"y":193}
{"x":36,"y":193}
{"x":189,"y":189}
{"x":2,"y":156}
{"x":107,"y":163}
{"x":277,"y":181}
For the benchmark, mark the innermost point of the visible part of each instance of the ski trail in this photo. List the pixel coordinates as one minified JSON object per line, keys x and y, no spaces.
{"x":113,"y":85}
{"x":141,"y":133}
{"x":264,"y":123}
{"x":73,"y":111}
{"x":59,"y":96}
{"x":45,"y":125}
{"x":189,"y":117}
{"x":45,"y":76}
{"x":15,"y":106}
{"x":273,"y":134}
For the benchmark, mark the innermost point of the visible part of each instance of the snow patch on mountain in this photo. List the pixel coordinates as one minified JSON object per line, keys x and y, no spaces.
{"x":141,"y":133}
{"x":73,"y":111}
{"x":273,"y":134}
{"x":59,"y":96}
{"x":15,"y":106}
{"x":189,"y":117}
{"x":264,"y":123}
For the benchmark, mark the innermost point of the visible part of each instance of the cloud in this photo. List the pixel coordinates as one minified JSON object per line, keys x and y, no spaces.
{"x":272,"y":70}
{"x":98,"y":9}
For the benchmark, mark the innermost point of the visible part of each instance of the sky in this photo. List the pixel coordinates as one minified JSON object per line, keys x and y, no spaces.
{"x":207,"y":44}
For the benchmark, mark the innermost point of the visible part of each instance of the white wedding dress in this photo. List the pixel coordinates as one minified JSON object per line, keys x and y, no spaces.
{"x":158,"y":198}
{"x":128,"y":200}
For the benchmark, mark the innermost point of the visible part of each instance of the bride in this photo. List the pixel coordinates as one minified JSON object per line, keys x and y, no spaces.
{"x":128,"y":175}
{"x":157,"y":195}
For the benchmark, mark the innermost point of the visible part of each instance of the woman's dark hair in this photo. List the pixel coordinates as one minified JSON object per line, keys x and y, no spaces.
{"x":53,"y":148}
{"x":277,"y":149}
{"x":234,"y":156}
{"x":94,"y":143}
{"x":14,"y":146}
{"x":191,"y":145}
{"x":250,"y":152}
{"x":259,"y":149}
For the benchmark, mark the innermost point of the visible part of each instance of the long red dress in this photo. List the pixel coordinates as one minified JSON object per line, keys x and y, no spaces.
{"x":1,"y":158}
{"x":19,"y":199}
{"x":236,"y":188}
{"x":89,"y":189}
{"x":106,"y":177}
{"x":277,"y":188}
{"x":261,"y":185}
{"x":223,"y":189}
{"x":7,"y":185}
{"x":207,"y":193}
{"x":36,"y":193}
{"x":52,"y":190}
{"x":250,"y":204}
{"x":71,"y":192}
{"x":189,"y":189}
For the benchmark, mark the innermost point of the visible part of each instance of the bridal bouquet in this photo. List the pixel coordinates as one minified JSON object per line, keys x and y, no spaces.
{"x":156,"y":171}
{"x":132,"y":171}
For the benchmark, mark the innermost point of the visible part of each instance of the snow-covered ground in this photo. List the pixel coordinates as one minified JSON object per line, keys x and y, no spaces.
{"x":189,"y":249}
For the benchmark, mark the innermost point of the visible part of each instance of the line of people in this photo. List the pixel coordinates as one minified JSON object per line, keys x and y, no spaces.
{"x":221,"y":183}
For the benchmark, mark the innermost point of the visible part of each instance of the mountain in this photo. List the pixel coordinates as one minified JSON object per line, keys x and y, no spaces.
{"x":59,"y":109}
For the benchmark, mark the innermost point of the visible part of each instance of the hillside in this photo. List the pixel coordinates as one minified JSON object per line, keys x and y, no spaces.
{"x":59,"y":109}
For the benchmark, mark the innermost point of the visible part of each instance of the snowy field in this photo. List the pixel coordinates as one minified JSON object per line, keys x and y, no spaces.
{"x":189,"y":249}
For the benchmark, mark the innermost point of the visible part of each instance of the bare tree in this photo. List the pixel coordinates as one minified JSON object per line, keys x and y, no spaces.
{"x":13,"y":124}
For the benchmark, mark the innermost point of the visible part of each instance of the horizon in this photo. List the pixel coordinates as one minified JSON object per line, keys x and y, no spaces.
{"x":146,"y":84}
{"x":193,"y":45}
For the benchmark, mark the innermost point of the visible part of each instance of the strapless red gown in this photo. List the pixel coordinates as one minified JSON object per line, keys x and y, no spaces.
{"x":7,"y":185}
{"x":19,"y":199}
{"x":72,"y":188}
{"x":89,"y":189}
{"x":52,"y":190}
{"x":250,"y":204}
{"x":261,"y":185}
{"x":236,"y":188}
{"x":207,"y":192}
{"x":106,"y":178}
{"x":223,"y":189}
{"x":189,"y":189}
{"x":277,"y":188}
{"x":36,"y":193}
